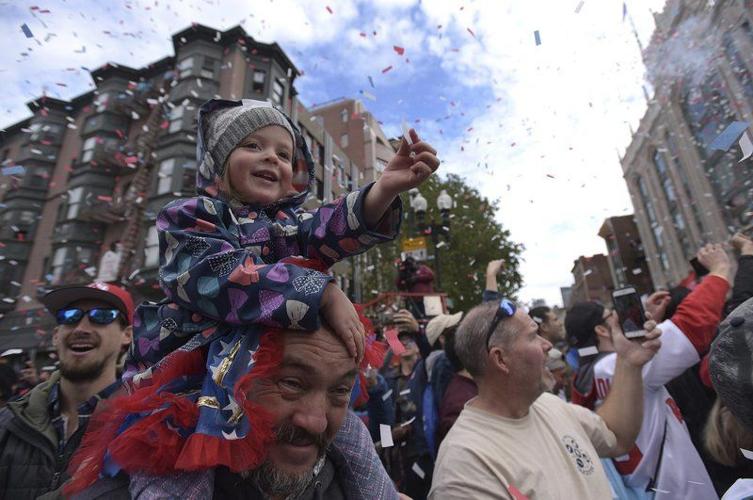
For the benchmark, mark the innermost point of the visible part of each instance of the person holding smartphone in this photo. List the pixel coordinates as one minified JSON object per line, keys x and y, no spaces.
{"x":664,"y":459}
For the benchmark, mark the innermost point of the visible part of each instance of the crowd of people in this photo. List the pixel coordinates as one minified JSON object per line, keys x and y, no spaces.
{"x":256,"y":377}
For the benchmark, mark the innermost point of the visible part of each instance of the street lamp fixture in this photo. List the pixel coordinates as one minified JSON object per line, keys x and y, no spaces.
{"x":419,"y":206}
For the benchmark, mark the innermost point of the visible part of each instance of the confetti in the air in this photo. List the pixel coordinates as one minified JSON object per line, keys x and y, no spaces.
{"x":385,"y":436}
{"x":385,"y":70}
{"x":27,"y":31}
{"x":537,"y":37}
{"x":731,"y":134}
{"x":400,"y":50}
{"x":329,"y":9}
{"x":746,"y":145}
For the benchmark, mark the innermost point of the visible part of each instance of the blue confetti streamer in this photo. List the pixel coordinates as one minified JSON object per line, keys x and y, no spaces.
{"x":27,"y":31}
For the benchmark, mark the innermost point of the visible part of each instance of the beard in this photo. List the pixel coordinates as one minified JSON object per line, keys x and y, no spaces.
{"x":276,"y":482}
{"x":83,"y":372}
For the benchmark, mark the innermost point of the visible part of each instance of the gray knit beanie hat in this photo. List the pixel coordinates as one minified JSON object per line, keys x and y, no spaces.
{"x":227,"y":127}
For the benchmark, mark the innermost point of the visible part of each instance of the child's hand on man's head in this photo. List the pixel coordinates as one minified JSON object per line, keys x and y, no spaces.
{"x":412,"y":165}
{"x":341,"y":316}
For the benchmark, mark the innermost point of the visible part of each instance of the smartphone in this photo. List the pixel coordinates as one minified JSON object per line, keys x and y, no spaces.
{"x":700,"y":269}
{"x":630,"y":311}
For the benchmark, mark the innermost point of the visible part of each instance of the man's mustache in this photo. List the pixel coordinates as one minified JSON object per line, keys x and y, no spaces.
{"x":292,"y":434}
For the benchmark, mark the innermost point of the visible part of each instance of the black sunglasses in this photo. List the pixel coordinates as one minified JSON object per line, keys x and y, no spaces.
{"x":506,"y":309}
{"x":97,"y":315}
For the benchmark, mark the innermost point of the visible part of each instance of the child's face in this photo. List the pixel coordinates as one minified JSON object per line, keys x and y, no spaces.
{"x":260,"y":168}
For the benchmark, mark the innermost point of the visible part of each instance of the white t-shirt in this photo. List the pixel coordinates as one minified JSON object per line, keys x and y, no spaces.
{"x":551,"y":453}
{"x":681,"y":473}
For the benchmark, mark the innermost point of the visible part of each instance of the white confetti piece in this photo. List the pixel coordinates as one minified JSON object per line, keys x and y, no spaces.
{"x":385,"y":433}
{"x":386,"y":395}
{"x":746,"y":145}
{"x":418,"y":470}
{"x":408,"y":422}
{"x":747,"y":453}
{"x":406,"y":133}
{"x":404,"y":392}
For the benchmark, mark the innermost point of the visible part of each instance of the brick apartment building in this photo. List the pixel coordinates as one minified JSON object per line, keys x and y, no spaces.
{"x":70,"y":165}
{"x":627,"y":260}
{"x":592,"y":280}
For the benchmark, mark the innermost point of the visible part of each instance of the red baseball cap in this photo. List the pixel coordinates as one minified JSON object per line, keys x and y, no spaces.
{"x":114,"y":295}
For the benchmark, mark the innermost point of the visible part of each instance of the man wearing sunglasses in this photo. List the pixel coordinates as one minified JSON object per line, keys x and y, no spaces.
{"x":515,"y":440}
{"x":40,"y":432}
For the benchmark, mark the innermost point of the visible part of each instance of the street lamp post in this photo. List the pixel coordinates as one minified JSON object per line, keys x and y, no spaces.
{"x":419,"y":205}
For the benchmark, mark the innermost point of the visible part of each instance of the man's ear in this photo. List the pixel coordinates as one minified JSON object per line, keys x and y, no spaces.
{"x":603,"y":332}
{"x":496,"y":357}
{"x":55,"y":336}
{"x":127,"y":336}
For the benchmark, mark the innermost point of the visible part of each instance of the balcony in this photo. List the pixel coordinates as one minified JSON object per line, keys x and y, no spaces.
{"x":103,"y":208}
{"x":37,"y":152}
{"x":108,"y":157}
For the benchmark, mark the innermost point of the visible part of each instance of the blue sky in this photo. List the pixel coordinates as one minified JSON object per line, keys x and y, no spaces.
{"x":537,"y":127}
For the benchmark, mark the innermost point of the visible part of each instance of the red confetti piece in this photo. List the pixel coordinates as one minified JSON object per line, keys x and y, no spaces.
{"x":471,"y":32}
{"x":329,"y":10}
{"x":164,"y":125}
{"x":363,"y":34}
{"x":387,"y":69}
{"x":391,"y":336}
{"x":400,"y":50}
{"x":104,"y":198}
{"x":516,"y":494}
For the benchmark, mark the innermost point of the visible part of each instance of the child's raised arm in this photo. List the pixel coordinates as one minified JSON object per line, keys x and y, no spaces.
{"x":411,"y":166}
{"x":339,"y":229}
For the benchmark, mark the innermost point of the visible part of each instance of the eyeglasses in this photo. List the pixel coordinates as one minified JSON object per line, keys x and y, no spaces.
{"x":97,"y":315}
{"x":506,"y":309}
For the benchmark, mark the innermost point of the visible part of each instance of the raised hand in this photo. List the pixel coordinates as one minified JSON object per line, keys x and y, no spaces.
{"x":640,"y":351}
{"x":657,"y":303}
{"x":411,"y":165}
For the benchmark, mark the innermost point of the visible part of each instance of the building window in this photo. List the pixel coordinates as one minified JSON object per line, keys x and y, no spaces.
{"x":672,"y":205}
{"x":66,"y":260}
{"x":87,"y":151}
{"x":674,"y":153}
{"x":185,"y":67}
{"x":151,"y":247}
{"x":278,"y":92}
{"x":47,"y":132}
{"x":653,"y":221}
{"x":101,"y":102}
{"x":738,"y":66}
{"x":747,"y":30}
{"x":176,"y":118}
{"x":259,"y":78}
{"x":344,"y":141}
{"x":165,"y":176}
{"x":344,"y":115}
{"x":73,"y":204}
{"x":38,"y":178}
{"x":207,"y":68}
{"x":188,"y":184}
